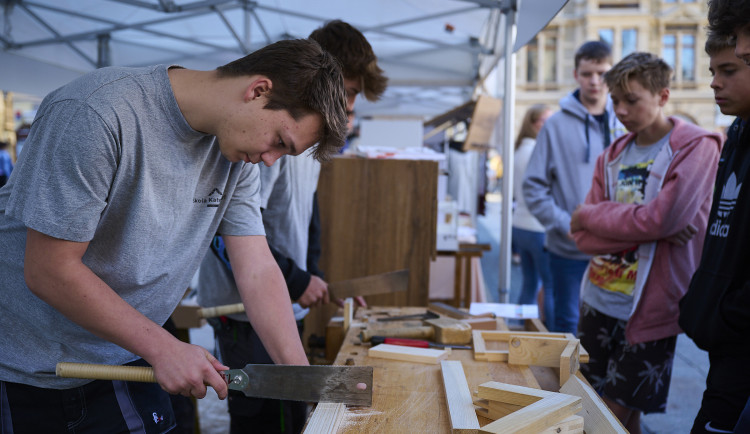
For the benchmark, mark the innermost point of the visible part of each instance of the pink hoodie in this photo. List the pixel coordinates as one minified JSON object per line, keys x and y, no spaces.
{"x":678,"y":193}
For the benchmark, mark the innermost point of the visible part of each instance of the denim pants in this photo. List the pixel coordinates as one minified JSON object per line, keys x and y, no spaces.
{"x":535,"y":267}
{"x":566,"y":285}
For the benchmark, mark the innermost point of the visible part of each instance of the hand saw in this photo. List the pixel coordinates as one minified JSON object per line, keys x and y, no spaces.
{"x":394,"y":281}
{"x":317,"y":383}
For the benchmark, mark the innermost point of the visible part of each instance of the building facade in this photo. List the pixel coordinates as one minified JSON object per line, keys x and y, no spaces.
{"x":673,"y":29}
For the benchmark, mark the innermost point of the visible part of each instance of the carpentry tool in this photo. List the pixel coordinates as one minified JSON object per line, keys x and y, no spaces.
{"x":394,"y":281}
{"x":441,"y":330}
{"x":318,"y":383}
{"x":426,"y":315}
{"x":377,"y":340}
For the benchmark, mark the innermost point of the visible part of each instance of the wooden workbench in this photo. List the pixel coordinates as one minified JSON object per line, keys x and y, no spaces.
{"x":409,"y":397}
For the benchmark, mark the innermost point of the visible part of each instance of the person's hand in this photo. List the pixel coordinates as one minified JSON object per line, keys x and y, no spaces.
{"x":315,"y":294}
{"x":186,"y":369}
{"x":681,"y":238}
{"x":575,"y":220}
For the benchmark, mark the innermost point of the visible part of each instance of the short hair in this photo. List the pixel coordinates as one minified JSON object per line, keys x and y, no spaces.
{"x":598,"y":51}
{"x":715,"y":44}
{"x":725,"y":17}
{"x":358,"y":60}
{"x":306,"y":80}
{"x":527,"y":125}
{"x":648,"y":69}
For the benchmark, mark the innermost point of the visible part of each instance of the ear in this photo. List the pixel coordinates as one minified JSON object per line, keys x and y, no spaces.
{"x":260,"y":87}
{"x":663,"y":96}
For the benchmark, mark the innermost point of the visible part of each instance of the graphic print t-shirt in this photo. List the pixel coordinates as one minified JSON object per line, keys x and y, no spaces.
{"x":611,"y":278}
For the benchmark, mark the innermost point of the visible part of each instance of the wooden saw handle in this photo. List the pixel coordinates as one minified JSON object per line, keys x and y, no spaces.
{"x":227,"y":309}
{"x":141,"y":374}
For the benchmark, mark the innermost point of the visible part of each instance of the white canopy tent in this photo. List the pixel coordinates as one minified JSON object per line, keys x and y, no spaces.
{"x":438,"y":54}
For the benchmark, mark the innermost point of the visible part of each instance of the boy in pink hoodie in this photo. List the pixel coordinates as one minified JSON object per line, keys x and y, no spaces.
{"x":644,"y":221}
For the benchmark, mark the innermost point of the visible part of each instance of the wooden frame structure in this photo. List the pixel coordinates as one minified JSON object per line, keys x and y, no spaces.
{"x":480,"y":337}
{"x":539,"y":410}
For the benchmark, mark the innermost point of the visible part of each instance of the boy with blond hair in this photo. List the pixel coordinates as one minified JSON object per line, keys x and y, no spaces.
{"x":714,"y":312}
{"x":649,"y":197}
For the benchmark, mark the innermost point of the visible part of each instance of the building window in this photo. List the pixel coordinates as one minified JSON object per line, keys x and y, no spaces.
{"x":679,"y":51}
{"x":550,"y":56}
{"x":532,"y":60}
{"x":687,"y":54}
{"x":629,"y":41}
{"x":607,"y":35}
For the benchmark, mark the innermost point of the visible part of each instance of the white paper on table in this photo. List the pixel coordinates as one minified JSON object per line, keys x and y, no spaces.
{"x":506,"y":310}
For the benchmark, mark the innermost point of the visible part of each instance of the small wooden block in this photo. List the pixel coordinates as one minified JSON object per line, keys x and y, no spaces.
{"x":569,"y":363}
{"x":450,"y":331}
{"x":597,"y":417}
{"x":570,"y":425}
{"x":457,"y":394}
{"x":408,"y":354}
{"x":494,"y":409}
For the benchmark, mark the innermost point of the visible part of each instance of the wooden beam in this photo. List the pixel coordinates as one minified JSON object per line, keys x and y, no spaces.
{"x":569,"y":361}
{"x":597,"y":417}
{"x":408,"y":354}
{"x":457,"y":394}
{"x":536,"y":417}
{"x":570,"y":425}
{"x":511,"y":393}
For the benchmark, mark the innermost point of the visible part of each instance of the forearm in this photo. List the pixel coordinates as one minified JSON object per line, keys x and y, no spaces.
{"x":266,"y":298}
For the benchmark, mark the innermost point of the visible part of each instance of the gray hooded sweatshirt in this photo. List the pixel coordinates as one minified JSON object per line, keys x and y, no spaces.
{"x":561,"y":167}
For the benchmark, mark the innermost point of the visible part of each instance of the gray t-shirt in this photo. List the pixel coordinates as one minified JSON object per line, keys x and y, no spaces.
{"x":287,"y":189}
{"x":110,"y":160}
{"x":608,"y":286}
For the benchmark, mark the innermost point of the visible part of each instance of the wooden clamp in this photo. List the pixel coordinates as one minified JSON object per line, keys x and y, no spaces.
{"x":546,"y":351}
{"x":480,"y":337}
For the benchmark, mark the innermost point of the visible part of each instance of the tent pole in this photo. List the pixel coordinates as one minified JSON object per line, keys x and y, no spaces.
{"x":510,"y":9}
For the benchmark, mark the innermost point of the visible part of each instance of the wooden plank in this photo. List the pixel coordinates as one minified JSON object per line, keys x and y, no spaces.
{"x":326,"y":418}
{"x":536,"y":417}
{"x":494,"y":409}
{"x":511,"y":393}
{"x":536,"y":350}
{"x":460,"y":406}
{"x":597,"y":417}
{"x":408,"y":354}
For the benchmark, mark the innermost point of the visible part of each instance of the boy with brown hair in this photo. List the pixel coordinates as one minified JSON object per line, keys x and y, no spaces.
{"x":288,"y":204}
{"x":714,"y":312}
{"x":649,"y":197}
{"x":126,"y":175}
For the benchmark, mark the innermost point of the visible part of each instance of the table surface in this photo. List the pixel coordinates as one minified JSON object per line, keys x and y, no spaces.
{"x":410,"y":397}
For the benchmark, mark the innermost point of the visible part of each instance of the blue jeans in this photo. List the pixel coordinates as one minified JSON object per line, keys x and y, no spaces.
{"x":566,"y":284}
{"x":535,"y":267}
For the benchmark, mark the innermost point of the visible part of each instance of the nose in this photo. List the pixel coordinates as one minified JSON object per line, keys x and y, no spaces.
{"x":270,"y":157}
{"x":714,"y":83}
{"x":620,"y":110}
